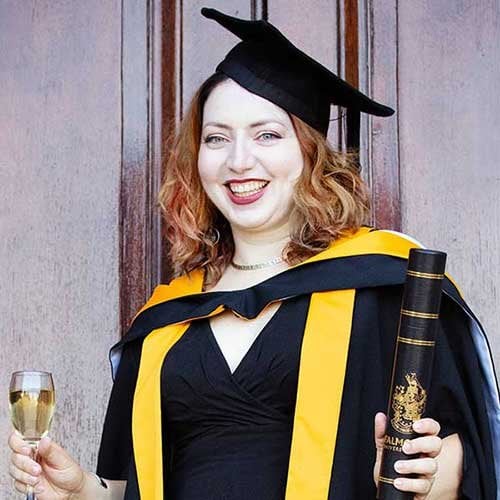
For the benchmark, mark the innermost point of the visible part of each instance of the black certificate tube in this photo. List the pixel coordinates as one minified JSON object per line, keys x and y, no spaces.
{"x":414,"y":353}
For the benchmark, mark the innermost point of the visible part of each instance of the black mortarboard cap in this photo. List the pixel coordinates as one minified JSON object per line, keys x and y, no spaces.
{"x":266,"y":63}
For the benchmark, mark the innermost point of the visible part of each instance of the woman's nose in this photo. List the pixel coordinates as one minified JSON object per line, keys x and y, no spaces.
{"x":240,"y":158}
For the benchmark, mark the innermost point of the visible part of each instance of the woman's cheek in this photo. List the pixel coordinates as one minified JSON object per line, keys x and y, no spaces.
{"x":207,"y":177}
{"x":209,"y":164}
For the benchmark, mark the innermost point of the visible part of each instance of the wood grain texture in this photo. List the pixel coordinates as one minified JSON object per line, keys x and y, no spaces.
{"x":143,"y":94}
{"x":59,"y":178}
{"x":351,"y":44}
{"x":167,"y":76}
{"x":449,"y":114}
{"x":383,"y":141}
{"x":314,"y":29}
{"x":204,"y":42}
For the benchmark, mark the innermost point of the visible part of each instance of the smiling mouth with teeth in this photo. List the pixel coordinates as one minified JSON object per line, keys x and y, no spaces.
{"x":242,"y":189}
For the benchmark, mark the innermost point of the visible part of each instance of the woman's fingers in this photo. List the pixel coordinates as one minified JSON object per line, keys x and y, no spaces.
{"x":21,"y":487}
{"x":18,"y":445}
{"x":427,"y":426}
{"x":26,"y":464}
{"x":429,"y":445}
{"x":25,"y":472}
{"x":418,"y":485}
{"x":422,"y":466}
{"x":23,"y":469}
{"x":22,"y":476}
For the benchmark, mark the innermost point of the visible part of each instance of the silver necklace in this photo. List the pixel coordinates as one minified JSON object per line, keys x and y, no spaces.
{"x":253,"y":267}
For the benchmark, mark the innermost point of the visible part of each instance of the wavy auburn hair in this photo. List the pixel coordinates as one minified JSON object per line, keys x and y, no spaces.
{"x":330,"y":199}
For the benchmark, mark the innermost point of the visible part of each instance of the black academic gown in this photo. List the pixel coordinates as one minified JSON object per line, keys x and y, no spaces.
{"x":228,"y":436}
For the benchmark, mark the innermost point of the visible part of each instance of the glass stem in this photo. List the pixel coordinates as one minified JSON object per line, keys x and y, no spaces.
{"x":30,"y":494}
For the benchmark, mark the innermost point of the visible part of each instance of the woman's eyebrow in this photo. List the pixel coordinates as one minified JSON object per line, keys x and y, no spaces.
{"x":260,"y":123}
{"x":216,"y":124}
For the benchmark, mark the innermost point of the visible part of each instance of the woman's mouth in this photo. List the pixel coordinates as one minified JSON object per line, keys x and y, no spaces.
{"x":246,"y":192}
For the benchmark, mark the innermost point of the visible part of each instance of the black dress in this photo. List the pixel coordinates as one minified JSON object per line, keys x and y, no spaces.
{"x":227,"y":436}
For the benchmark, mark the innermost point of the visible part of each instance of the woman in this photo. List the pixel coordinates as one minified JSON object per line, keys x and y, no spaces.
{"x":257,"y":372}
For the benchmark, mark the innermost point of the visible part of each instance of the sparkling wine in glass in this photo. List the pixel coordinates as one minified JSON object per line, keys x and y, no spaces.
{"x":32,"y":402}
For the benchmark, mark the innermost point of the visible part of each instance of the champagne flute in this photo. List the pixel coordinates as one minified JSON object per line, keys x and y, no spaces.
{"x":32,"y":401}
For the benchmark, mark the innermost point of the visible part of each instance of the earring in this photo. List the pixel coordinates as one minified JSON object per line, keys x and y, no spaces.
{"x":213,"y":235}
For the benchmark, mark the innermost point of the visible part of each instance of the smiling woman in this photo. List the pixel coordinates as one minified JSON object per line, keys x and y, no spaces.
{"x":261,"y":371}
{"x":242,"y":164}
{"x":249,"y":159}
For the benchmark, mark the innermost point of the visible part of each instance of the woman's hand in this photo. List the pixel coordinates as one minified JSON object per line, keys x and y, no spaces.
{"x":427,"y":447}
{"x":56,"y":477}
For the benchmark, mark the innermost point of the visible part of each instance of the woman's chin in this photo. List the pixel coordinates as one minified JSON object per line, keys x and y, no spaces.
{"x":249,"y":225}
{"x":257,"y":224}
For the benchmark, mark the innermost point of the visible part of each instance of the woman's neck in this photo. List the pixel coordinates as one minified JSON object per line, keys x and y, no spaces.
{"x":253,"y":248}
{"x":256,"y":248}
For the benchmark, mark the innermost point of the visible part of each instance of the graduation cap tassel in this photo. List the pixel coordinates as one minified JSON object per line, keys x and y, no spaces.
{"x":353,"y":127}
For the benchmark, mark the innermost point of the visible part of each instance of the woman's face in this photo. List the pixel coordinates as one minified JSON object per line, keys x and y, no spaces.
{"x":249,"y":158}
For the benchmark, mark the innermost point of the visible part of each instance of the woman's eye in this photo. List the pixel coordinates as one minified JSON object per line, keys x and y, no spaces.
{"x":268,"y":136}
{"x":214,"y":140}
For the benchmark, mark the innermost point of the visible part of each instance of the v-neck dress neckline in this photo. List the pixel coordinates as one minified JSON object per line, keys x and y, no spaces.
{"x":249,"y":355}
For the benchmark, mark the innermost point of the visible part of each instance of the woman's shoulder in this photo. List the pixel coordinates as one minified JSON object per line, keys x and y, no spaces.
{"x":186,"y":284}
{"x":368,"y":241}
{"x":397,"y":235}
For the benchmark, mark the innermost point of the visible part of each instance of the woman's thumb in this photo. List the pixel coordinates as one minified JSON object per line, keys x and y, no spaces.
{"x":53,"y":455}
{"x":379,"y":431}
